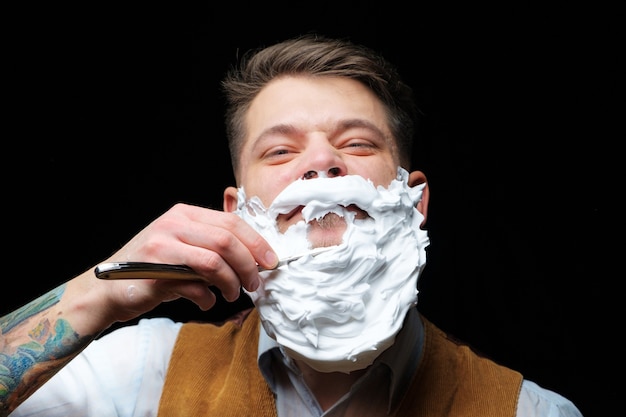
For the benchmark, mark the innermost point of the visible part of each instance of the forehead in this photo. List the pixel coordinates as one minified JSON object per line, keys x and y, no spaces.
{"x":313,"y":103}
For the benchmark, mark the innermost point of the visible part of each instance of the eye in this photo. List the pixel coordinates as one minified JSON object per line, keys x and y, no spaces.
{"x":277,"y":152}
{"x":358,"y":147}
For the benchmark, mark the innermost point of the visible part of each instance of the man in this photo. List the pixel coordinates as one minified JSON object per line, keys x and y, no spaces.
{"x":320,"y":133}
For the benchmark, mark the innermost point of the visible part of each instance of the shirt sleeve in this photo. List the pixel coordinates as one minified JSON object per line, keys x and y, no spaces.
{"x":121,"y":374}
{"x":535,"y":401}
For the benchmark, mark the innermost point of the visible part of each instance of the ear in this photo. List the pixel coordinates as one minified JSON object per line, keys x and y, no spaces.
{"x":416,"y":178}
{"x":230,"y":199}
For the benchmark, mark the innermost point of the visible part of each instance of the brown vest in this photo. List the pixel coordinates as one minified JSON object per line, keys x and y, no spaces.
{"x":213,"y":371}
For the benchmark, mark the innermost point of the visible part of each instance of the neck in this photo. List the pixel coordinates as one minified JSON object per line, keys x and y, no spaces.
{"x":328,"y":387}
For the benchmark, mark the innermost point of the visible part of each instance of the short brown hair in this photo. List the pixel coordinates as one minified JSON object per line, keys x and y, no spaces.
{"x":315,"y":55}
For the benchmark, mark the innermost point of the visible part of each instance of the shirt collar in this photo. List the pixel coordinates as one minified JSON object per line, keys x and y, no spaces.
{"x":401,"y":358}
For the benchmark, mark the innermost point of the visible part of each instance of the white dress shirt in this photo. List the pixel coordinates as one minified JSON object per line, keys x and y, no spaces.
{"x":122,"y":375}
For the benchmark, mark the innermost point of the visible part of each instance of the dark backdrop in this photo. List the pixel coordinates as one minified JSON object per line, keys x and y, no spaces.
{"x":114,"y":115}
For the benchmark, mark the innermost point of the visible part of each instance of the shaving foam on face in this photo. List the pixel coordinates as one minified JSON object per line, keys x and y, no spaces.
{"x":338,"y":310}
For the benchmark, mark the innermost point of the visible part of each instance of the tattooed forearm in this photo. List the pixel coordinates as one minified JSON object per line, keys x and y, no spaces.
{"x":37,"y":306}
{"x":32,"y":351}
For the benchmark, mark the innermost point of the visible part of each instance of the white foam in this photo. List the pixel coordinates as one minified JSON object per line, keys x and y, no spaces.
{"x":338,"y":310}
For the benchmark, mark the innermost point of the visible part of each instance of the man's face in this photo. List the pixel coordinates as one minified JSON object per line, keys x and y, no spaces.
{"x":301,"y":127}
{"x":319,"y":167}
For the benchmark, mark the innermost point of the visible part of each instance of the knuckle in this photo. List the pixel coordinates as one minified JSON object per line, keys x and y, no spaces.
{"x":211,"y":262}
{"x":223,"y":241}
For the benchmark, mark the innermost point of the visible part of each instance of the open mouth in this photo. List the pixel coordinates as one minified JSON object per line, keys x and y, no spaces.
{"x":293,"y":213}
{"x":284,"y":221}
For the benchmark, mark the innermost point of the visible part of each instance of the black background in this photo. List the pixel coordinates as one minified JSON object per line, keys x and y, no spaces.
{"x":113,"y":114}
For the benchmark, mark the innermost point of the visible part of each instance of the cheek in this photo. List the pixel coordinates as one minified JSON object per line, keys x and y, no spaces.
{"x":264,"y":187}
{"x":381,"y":172}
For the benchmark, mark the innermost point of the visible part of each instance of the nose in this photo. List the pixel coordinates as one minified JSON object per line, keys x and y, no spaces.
{"x":330,"y":173}
{"x":321,"y":159}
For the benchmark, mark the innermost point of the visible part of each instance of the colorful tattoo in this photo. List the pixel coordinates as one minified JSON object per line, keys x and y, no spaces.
{"x":36,"y":306}
{"x":34,"y":362}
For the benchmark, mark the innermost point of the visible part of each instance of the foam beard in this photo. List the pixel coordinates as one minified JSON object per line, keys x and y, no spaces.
{"x":338,"y":310}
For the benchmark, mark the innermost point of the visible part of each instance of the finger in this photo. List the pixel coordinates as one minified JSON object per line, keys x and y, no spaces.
{"x":198,"y":293}
{"x":258,"y":247}
{"x":235,"y":242}
{"x":210,"y":264}
{"x":156,"y":291}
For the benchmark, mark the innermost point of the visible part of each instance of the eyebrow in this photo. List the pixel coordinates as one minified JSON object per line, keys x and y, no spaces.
{"x":281,"y":129}
{"x":291,"y":130}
